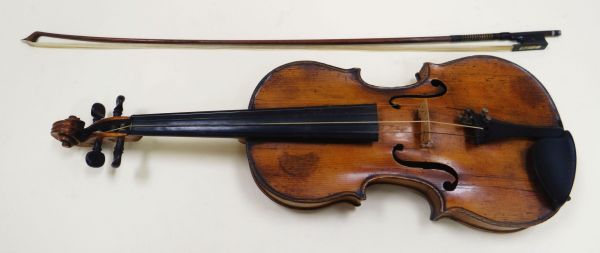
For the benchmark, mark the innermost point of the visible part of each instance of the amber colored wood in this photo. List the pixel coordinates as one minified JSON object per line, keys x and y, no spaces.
{"x":68,"y":132}
{"x":495,"y":189}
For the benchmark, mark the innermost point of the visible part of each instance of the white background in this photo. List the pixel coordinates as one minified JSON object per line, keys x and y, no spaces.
{"x":193,"y":195}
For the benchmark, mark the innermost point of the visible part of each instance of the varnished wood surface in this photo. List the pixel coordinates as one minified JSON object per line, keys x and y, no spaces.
{"x":525,"y":40}
{"x":69,"y":130}
{"x":495,"y":189}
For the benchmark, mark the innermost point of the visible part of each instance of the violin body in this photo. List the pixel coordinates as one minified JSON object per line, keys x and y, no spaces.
{"x":317,"y":135}
{"x":495,"y":190}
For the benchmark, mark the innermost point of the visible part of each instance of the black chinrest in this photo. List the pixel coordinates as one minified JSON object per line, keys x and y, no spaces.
{"x":554,"y":160}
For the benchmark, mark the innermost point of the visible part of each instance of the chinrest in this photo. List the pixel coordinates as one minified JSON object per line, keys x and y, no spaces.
{"x":554,"y":161}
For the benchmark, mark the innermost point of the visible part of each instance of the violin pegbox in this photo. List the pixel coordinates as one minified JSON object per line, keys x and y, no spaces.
{"x":72,"y":132}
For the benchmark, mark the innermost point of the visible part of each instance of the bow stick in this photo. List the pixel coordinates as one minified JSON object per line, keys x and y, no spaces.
{"x":535,"y":40}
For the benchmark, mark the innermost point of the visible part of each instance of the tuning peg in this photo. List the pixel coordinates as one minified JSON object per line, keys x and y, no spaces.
{"x":118,"y":111}
{"x":118,"y":152}
{"x":95,"y":158}
{"x":98,"y":111}
{"x":120,"y":144}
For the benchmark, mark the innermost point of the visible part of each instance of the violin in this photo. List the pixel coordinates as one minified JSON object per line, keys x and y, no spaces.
{"x":479,"y":137}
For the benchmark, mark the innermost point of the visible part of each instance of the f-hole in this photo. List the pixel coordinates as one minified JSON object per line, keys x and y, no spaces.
{"x":448,"y":185}
{"x":441,"y":90}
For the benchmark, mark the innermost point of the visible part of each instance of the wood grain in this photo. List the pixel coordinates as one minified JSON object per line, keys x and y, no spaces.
{"x":495,"y":188}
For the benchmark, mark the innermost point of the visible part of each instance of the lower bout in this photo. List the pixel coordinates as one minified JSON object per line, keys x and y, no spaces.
{"x":431,"y":194}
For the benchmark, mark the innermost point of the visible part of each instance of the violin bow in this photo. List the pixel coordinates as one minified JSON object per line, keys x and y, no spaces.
{"x":534,"y":40}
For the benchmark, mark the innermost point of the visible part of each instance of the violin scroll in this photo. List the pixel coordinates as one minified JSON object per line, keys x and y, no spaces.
{"x":67,"y":130}
{"x":72,"y":132}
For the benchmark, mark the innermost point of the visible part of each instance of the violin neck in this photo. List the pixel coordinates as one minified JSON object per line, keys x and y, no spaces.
{"x":347,"y":123}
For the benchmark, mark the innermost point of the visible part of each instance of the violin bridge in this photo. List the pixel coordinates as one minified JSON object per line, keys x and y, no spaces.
{"x":423,"y":117}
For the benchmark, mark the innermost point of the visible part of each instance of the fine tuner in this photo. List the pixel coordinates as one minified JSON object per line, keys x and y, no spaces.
{"x":479,"y":137}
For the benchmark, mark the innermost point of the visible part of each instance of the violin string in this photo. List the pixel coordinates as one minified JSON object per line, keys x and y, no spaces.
{"x":305,"y":123}
{"x":326,"y":123}
{"x":385,"y":132}
{"x":200,"y":114}
{"x":318,"y":123}
{"x":426,"y":132}
{"x":236,"y":111}
{"x":456,"y":108}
